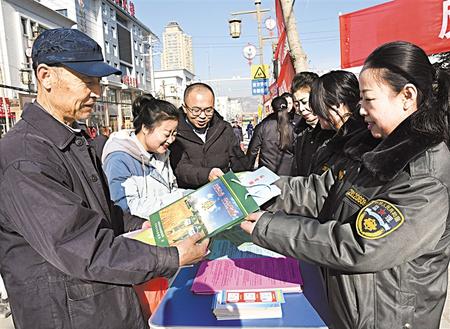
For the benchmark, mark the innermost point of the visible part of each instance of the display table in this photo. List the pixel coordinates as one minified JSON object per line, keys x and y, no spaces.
{"x":180,"y":308}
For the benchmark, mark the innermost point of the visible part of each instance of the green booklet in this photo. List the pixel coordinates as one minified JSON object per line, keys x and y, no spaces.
{"x":211,"y":209}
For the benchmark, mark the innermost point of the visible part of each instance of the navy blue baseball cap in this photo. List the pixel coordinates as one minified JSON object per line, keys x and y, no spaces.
{"x":73,"y":49}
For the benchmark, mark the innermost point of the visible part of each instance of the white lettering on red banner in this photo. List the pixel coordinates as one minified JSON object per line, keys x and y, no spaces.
{"x":445,"y":17}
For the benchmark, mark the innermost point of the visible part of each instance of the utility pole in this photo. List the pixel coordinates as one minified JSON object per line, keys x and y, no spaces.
{"x":298,"y":54}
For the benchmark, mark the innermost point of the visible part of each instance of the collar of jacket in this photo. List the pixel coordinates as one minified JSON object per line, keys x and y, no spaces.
{"x":43,"y":121}
{"x":394,"y":152}
{"x":351,"y":128}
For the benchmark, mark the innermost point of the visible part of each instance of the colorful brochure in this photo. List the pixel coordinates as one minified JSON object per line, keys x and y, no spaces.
{"x":212,"y":208}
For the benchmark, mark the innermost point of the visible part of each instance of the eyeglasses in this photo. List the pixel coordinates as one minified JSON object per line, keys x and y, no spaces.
{"x":197,"y":110}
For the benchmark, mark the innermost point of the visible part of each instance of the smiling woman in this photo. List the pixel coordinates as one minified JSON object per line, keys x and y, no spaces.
{"x":136,"y":162}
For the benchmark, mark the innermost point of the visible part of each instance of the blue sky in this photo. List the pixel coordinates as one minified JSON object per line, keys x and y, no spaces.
{"x":218,"y":56}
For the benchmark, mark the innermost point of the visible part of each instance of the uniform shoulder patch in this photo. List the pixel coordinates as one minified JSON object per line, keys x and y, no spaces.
{"x":378,"y":219}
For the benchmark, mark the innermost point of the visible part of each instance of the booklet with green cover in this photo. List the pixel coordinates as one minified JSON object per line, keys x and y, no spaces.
{"x":212,"y":208}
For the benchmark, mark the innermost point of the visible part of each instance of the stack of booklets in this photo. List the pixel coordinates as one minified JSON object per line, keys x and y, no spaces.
{"x":248,"y":304}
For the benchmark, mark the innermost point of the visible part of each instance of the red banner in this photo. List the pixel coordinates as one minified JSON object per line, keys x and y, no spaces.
{"x":8,"y":108}
{"x":424,"y":23}
{"x":287,"y":73}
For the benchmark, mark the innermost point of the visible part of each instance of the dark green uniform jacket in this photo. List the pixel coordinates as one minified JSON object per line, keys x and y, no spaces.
{"x":382,"y":236}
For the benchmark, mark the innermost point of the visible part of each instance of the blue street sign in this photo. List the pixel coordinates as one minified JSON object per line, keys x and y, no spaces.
{"x":260,"y":86}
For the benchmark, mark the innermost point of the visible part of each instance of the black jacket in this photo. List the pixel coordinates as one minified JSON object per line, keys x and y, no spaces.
{"x":265,"y":141}
{"x":384,"y":231}
{"x":192,"y":160}
{"x":329,"y":154}
{"x":308,"y":140}
{"x":62,"y":260}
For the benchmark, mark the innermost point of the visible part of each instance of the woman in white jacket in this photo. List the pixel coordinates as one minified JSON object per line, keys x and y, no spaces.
{"x":136,"y":162}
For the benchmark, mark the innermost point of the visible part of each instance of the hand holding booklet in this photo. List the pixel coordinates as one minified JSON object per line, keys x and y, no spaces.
{"x":213,"y":208}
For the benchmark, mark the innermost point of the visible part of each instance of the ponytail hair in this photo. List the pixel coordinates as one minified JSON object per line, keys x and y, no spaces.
{"x":280,"y":107}
{"x":399,"y":63}
{"x":149,"y":111}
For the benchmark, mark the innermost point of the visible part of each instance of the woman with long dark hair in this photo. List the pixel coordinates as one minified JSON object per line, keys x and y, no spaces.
{"x":335,"y":100}
{"x":382,"y":236}
{"x":273,"y":140}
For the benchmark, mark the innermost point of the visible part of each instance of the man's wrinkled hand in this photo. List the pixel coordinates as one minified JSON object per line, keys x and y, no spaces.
{"x":250,"y":221}
{"x":190,"y":250}
{"x":215,"y":173}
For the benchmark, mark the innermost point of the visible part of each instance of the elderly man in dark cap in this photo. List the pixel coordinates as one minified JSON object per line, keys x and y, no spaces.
{"x":63,"y":261}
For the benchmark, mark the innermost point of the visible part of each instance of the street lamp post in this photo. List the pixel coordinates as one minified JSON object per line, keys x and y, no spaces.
{"x":235,"y":26}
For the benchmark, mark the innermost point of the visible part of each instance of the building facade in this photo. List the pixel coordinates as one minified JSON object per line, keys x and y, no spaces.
{"x":170,"y":85}
{"x":126,"y":44}
{"x":21,"y":22}
{"x":177,"y":49}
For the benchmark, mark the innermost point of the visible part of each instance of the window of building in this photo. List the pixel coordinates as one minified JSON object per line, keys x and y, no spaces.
{"x":115,"y":50}
{"x":113,"y":32}
{"x":24,"y":22}
{"x":111,"y":96}
{"x":62,"y":11}
{"x":107,"y":50}
{"x":135,"y":45}
{"x":112,"y":14}
{"x":125,"y":45}
{"x":104,"y":9}
{"x":121,"y":20}
{"x":105,"y":27}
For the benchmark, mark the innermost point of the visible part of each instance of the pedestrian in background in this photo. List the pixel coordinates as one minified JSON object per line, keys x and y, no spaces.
{"x":273,"y":140}
{"x":206,"y":146}
{"x":98,"y":143}
{"x":62,"y":258}
{"x":237,"y":129}
{"x":249,"y":130}
{"x":384,"y":243}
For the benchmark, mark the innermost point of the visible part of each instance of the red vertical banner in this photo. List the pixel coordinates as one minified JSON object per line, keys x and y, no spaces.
{"x":424,"y":23}
{"x":5,"y":107}
{"x":287,"y":71}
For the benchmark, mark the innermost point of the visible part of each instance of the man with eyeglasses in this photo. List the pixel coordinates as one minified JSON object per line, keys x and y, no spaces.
{"x":206,"y":146}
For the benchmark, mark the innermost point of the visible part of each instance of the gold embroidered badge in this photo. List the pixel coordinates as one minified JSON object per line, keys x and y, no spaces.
{"x":357,"y":197}
{"x":378,"y":219}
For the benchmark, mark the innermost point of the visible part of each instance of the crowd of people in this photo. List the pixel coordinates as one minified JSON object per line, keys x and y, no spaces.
{"x":364,"y":186}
